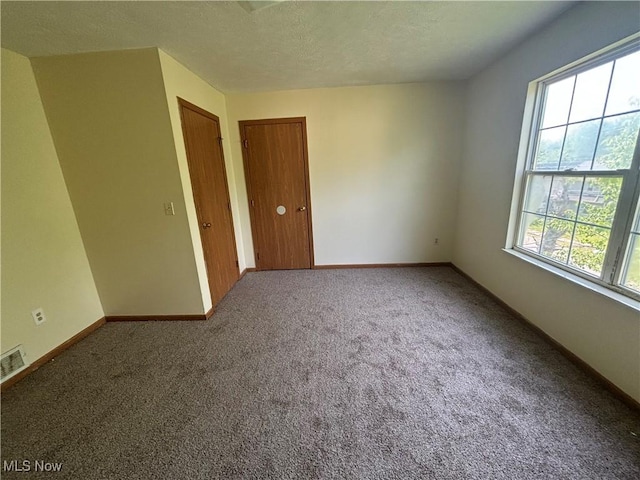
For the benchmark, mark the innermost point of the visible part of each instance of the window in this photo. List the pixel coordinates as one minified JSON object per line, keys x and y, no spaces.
{"x":579,"y":204}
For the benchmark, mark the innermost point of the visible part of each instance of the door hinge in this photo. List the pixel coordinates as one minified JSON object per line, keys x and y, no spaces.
{"x":237,"y":264}
{"x":245,"y":143}
{"x":220,"y":140}
{"x":229,"y":206}
{"x":257,"y":256}
{"x":253,"y":204}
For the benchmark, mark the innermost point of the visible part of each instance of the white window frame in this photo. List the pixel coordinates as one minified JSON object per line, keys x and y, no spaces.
{"x":628,"y":203}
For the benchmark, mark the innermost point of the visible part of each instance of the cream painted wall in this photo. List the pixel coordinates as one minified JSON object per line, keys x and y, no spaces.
{"x":181,"y":82}
{"x":44,"y":263}
{"x":599,"y":330}
{"x":108,"y":115}
{"x":383,"y":164}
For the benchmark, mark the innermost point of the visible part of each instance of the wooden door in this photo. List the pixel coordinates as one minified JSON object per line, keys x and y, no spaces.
{"x":203,"y":143}
{"x":277,"y":175}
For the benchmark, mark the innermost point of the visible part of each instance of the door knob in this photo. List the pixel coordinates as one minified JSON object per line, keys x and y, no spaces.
{"x":302,"y":209}
{"x":206,"y":225}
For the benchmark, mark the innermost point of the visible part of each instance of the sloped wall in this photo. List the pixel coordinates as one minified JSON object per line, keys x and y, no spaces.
{"x":108,"y":115}
{"x":44,"y":263}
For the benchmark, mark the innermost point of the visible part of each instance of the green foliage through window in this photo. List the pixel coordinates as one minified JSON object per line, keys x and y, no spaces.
{"x":582,"y":164}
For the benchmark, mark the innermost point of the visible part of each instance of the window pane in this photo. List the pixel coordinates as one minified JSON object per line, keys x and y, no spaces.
{"x":625,"y":85}
{"x":571,"y":214}
{"x":617,"y":142}
{"x":531,"y":232}
{"x":556,"y":239}
{"x":565,"y":194}
{"x":589,"y":248}
{"x":558,"y":100}
{"x":537,"y":194}
{"x":549,"y":148}
{"x":580,"y":145}
{"x":631,"y":277}
{"x":590,"y":93}
{"x":599,"y":200}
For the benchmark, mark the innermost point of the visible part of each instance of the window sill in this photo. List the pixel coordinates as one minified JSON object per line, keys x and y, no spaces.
{"x":594,"y":287}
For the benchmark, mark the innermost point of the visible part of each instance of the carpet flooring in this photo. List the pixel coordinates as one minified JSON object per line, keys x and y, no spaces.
{"x":401,"y":373}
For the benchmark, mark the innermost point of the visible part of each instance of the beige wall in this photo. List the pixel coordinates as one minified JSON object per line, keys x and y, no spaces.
{"x":108,"y":116}
{"x":383,"y":164}
{"x":599,"y":330}
{"x":181,"y":82}
{"x":44,"y":263}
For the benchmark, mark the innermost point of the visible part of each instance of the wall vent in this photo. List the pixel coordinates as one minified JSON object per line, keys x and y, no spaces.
{"x":12,"y":362}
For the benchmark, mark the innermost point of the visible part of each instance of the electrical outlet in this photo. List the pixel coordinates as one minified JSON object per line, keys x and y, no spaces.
{"x":38,"y":316}
{"x":168,"y":209}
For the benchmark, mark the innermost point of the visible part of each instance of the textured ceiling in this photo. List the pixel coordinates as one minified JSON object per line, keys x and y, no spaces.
{"x":289,"y":44}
